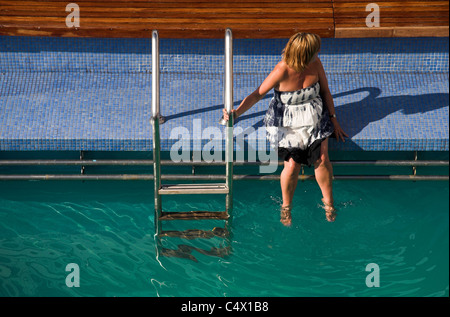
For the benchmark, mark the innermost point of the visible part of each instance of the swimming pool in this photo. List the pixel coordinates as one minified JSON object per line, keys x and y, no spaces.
{"x":81,"y":94}
{"x":107,"y":229}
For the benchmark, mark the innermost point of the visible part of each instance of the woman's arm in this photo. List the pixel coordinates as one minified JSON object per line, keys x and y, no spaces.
{"x":271,"y":81}
{"x":328,"y":101}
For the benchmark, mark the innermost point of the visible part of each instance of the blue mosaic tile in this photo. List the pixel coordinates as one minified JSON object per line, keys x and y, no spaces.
{"x":95,"y":94}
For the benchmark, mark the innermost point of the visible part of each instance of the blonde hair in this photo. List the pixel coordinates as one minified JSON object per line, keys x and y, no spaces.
{"x":300,"y":50}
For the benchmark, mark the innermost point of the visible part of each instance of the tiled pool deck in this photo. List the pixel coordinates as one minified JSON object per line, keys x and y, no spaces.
{"x":391,"y":94}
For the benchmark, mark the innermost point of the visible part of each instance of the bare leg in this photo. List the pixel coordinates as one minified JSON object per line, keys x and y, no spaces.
{"x":288,"y":181}
{"x":324,"y":176}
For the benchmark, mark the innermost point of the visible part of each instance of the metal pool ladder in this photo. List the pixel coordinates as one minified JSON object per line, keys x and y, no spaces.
{"x":195,"y":188}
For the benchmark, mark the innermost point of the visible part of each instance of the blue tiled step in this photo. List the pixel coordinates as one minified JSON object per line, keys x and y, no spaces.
{"x":111,"y":111}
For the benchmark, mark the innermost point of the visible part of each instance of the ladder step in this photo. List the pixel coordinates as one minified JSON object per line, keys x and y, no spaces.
{"x":196,"y":233}
{"x":184,"y":251}
{"x":177,"y":189}
{"x":194,"y":215}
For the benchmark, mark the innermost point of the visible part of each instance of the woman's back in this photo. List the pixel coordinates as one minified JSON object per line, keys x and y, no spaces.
{"x":294,"y":80}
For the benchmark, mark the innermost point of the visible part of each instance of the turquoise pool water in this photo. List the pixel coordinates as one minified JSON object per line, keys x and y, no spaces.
{"x":106,"y":228}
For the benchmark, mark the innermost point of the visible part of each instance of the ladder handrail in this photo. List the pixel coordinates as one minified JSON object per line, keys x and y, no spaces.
{"x":228,"y":98}
{"x":156,"y":135}
{"x":228,"y":103}
{"x":155,"y":74}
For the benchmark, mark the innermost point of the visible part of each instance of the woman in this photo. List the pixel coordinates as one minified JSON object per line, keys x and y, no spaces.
{"x":300,"y":118}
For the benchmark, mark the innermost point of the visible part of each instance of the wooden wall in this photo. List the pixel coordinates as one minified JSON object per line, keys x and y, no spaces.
{"x":209,"y":18}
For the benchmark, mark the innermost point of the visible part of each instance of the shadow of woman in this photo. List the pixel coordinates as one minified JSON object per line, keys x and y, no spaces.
{"x":355,"y":116}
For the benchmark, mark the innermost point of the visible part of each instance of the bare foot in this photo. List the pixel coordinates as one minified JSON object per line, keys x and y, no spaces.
{"x":286,"y":218}
{"x":330,"y":211}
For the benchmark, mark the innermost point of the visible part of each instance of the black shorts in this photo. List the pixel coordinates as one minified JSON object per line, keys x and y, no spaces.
{"x":306,"y":157}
